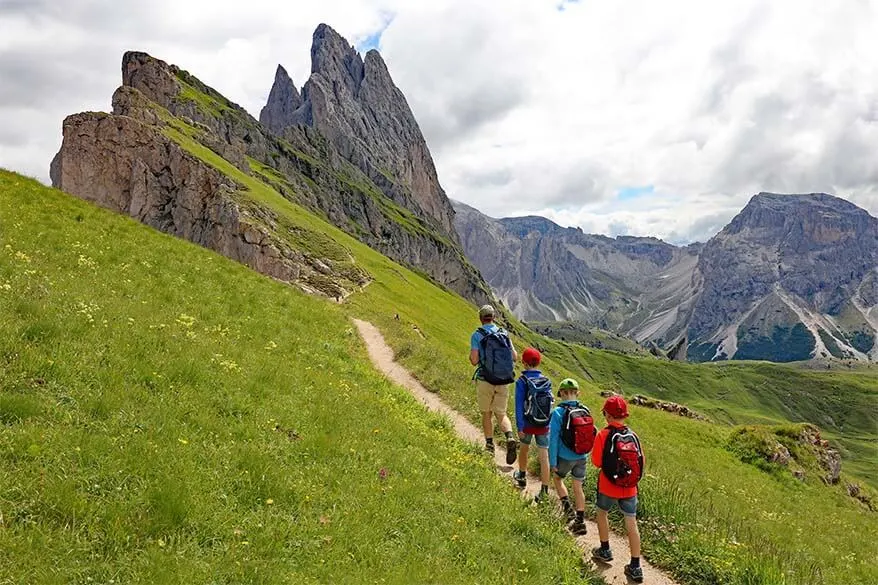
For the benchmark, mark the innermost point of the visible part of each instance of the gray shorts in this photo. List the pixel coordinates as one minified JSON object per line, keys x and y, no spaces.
{"x":575,"y":467}
{"x":541,"y":440}
{"x":627,"y":505}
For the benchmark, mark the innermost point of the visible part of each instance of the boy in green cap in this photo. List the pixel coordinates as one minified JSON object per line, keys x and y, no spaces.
{"x":571,"y":436}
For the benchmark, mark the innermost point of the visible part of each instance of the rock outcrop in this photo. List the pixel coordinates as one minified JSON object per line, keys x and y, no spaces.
{"x":355,"y":104}
{"x":788,"y":271}
{"x":129,"y":167}
{"x":792,"y":277}
{"x":283,"y":101}
{"x":303,"y":166}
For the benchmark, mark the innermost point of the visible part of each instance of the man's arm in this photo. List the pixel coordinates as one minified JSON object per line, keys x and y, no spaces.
{"x":474,"y":357}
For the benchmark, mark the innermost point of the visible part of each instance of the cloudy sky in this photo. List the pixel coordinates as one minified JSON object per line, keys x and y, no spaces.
{"x":622,"y":117}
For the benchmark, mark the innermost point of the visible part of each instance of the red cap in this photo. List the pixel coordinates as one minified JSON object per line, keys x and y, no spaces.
{"x":531,"y":357}
{"x":616,"y":407}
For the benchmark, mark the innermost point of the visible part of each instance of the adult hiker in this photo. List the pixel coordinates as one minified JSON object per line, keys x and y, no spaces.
{"x":494,"y":356}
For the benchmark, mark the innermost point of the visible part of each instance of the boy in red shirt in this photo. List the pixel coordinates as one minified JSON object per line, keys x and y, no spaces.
{"x":607,"y":455}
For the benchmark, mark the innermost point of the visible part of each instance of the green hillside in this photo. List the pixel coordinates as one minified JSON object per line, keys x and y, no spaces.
{"x":168,"y":416}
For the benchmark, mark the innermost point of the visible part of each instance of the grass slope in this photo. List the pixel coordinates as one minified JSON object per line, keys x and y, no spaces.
{"x":765,"y":537}
{"x":168,"y":416}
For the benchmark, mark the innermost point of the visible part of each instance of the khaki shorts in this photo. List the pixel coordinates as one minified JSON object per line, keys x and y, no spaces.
{"x":492,"y":398}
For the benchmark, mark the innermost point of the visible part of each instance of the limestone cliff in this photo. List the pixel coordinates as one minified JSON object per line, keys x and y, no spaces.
{"x":303,"y":166}
{"x":355,"y":104}
{"x":130,"y":167}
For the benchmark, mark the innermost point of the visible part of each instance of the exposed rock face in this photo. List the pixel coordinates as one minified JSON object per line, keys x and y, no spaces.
{"x":355,"y":104}
{"x":304,"y":167}
{"x":129,"y":167}
{"x":283,"y":101}
{"x":790,"y":278}
{"x":784,"y":271}
{"x":639,"y":287}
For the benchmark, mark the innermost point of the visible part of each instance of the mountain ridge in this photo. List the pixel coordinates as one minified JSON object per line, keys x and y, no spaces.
{"x":303,"y":166}
{"x":788,"y":270}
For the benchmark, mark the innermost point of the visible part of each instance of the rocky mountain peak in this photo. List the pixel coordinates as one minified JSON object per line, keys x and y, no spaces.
{"x":334,"y":57}
{"x":152,"y":77}
{"x":773,"y":211}
{"x":283,"y":101}
{"x":354,"y":103}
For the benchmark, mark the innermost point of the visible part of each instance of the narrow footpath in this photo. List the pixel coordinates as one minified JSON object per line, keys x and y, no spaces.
{"x":382,"y":357}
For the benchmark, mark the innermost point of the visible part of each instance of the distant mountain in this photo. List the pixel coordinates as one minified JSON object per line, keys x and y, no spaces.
{"x":790,"y":278}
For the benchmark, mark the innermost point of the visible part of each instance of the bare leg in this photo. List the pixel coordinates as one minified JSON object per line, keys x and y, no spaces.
{"x":633,"y":535}
{"x":560,"y":488}
{"x":522,"y":457}
{"x":487,"y":425}
{"x":579,"y":496}
{"x":603,"y":525}
{"x":503,"y":422}
{"x":543,"y":455}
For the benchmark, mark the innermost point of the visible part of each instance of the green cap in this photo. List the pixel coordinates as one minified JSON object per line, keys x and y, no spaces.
{"x":568,"y":384}
{"x":486,"y":311}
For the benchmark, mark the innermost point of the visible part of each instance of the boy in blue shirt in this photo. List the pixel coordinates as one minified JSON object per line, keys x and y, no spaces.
{"x":563,"y":460}
{"x":528,"y":433}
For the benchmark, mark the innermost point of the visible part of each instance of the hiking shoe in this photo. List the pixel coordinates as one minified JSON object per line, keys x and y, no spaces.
{"x":541,"y":498}
{"x":578,"y":528}
{"x":520,"y":478}
{"x":569,"y":514}
{"x":489,"y":447}
{"x":511,"y":451}
{"x":634,"y":573}
{"x":603,"y":555}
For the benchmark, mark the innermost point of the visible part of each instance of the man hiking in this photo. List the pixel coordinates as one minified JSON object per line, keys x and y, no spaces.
{"x":494,"y":356}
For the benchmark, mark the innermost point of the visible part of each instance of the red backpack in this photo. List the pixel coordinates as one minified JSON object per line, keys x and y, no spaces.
{"x":622,"y":462}
{"x":577,"y":428}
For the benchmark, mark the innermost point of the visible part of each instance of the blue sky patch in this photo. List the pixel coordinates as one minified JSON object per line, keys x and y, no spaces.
{"x":563,"y":4}
{"x":373,"y":41}
{"x":629,"y":193}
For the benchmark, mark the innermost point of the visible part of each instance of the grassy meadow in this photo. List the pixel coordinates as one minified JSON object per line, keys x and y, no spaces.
{"x":169,"y":416}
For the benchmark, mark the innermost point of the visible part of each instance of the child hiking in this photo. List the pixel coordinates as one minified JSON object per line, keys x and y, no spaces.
{"x":618,"y":454}
{"x":494,"y":356}
{"x":533,"y":412}
{"x":571,"y":437}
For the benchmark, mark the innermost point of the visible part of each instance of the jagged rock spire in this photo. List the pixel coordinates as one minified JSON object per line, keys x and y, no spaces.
{"x":355,"y":104}
{"x":283,"y":100}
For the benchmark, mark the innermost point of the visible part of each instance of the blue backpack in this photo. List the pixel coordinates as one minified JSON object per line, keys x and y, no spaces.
{"x":495,"y":357}
{"x":538,"y":401}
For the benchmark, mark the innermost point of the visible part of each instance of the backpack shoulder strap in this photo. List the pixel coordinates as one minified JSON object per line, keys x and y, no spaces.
{"x":483,"y":331}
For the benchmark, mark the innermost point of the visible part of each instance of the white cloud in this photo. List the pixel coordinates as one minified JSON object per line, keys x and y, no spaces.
{"x":528,"y":107}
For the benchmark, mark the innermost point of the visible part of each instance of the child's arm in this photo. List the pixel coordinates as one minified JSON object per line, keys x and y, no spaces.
{"x":520,"y":389}
{"x":554,"y":438}
{"x":597,"y":451}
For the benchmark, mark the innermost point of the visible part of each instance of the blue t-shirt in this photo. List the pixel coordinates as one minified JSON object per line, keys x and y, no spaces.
{"x":477,"y":337}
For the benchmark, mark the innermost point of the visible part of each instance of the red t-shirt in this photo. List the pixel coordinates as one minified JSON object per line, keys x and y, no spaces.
{"x":605,"y":486}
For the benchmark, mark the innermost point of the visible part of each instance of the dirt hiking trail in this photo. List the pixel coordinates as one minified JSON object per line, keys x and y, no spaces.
{"x":382,"y":357}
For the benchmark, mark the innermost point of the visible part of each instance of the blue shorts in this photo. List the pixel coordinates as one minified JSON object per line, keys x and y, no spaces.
{"x":627,"y":505}
{"x":575,"y":467}
{"x":541,"y":440}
